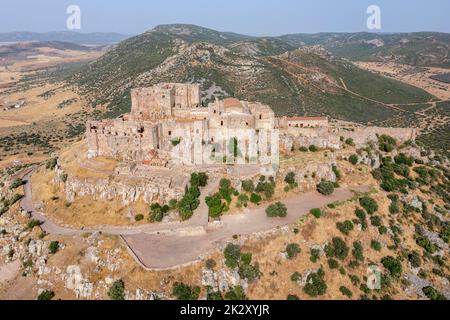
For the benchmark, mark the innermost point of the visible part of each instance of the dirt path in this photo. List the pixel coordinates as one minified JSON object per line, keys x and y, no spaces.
{"x":168,"y":251}
{"x":164,"y":246}
{"x":199,"y":219}
{"x":9,"y":271}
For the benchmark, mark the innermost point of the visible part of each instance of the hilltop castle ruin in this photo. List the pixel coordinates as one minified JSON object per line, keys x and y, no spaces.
{"x":159,"y":113}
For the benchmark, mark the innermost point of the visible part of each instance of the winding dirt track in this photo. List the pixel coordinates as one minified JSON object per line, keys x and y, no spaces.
{"x":166,"y":246}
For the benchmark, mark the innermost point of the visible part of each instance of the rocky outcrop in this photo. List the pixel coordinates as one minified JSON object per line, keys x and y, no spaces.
{"x":223,"y":279}
{"x":128,"y":193}
{"x":310,"y":173}
{"x":74,"y":280}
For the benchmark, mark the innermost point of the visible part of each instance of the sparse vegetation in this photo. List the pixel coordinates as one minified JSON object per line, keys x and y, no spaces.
{"x":117,"y":290}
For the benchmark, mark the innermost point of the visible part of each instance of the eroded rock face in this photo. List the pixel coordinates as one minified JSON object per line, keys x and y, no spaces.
{"x":319,"y":137}
{"x":311,"y":173}
{"x":128,"y":193}
{"x":223,"y":279}
{"x":74,"y":280}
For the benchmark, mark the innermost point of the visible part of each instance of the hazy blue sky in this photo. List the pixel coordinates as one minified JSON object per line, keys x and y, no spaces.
{"x":255,"y":17}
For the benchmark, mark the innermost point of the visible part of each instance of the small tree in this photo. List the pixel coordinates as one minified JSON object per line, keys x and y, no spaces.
{"x":53,"y":247}
{"x":369,"y":204}
{"x":345,"y":227}
{"x":326,"y":188}
{"x":290,"y":178}
{"x":353,"y":159}
{"x":375,"y":245}
{"x":350,"y":142}
{"x":248,"y":186}
{"x":316,"y":212}
{"x":277,"y":209}
{"x":315,"y":284}
{"x":393,"y":265}
{"x":117,"y":290}
{"x":292,"y":250}
{"x":232,"y":254}
{"x":345,"y":291}
{"x":184,"y":292}
{"x":46,"y":295}
{"x":312,"y":148}
{"x":255,"y":198}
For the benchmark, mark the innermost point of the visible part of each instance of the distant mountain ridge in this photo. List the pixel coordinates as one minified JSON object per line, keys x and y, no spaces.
{"x":293,"y":81}
{"x":93,"y":38}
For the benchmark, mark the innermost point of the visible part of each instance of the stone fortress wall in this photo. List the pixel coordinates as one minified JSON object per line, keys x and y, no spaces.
{"x":164,"y":116}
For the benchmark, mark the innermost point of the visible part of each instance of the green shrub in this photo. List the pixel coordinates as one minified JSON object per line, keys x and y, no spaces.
{"x":353,"y":159}
{"x":333,"y":264}
{"x":292,"y":250}
{"x":326,"y":188}
{"x":337,"y":248}
{"x":156,"y":212}
{"x":290,"y":178}
{"x":432,"y":294}
{"x":215,"y":205}
{"x":183,"y":291}
{"x":246,"y":258}
{"x":386,"y":143}
{"x":16,"y":183}
{"x":232,"y":254}
{"x":296,"y":276}
{"x":361,"y":215}
{"x":315,"y":284}
{"x":316,"y":212}
{"x":255,"y":198}
{"x":33,"y":223}
{"x":382,"y":229}
{"x":337,"y":172}
{"x":249,"y":272}
{"x":393,"y":208}
{"x":303,"y":149}
{"x":175,"y":141}
{"x":357,"y":251}
{"x":375,"y":221}
{"x":248,"y":186}
{"x":46,"y":295}
{"x":139,"y":217}
{"x":53,"y":247}
{"x":393,"y":265}
{"x":292,"y":297}
{"x":277,"y":209}
{"x":425,"y":243}
{"x":236,"y":293}
{"x":199,"y":179}
{"x":369,"y":204}
{"x":345,"y":291}
{"x":117,"y":290}
{"x":266,"y":187}
{"x":313,"y":148}
{"x":403,"y":159}
{"x":375,"y":245}
{"x":345,"y":227}
{"x":315,"y":255}
{"x":51,"y":163}
{"x":414,"y":259}
{"x":350,"y":142}
{"x":214,"y":296}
